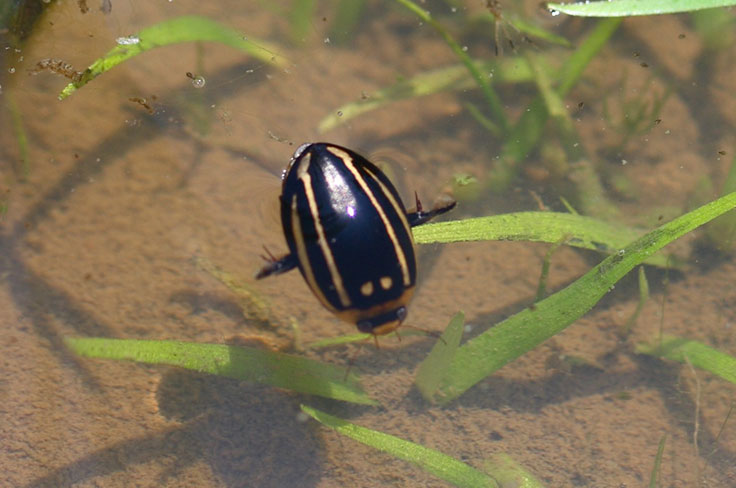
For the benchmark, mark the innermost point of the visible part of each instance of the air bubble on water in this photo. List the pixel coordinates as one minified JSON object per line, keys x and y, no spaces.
{"x":128,"y":41}
{"x":11,"y":70}
{"x":198,"y":81}
{"x":339,"y":113}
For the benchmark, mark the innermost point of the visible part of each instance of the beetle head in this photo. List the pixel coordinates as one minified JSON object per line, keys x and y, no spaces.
{"x":384,"y":323}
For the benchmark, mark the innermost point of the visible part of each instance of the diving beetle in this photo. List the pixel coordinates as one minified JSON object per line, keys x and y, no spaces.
{"x":350,"y":236}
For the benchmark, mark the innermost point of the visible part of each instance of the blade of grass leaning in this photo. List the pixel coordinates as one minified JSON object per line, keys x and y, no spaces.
{"x":244,"y":363}
{"x":627,"y":8}
{"x":657,"y":463}
{"x":24,"y":170}
{"x":643,"y":297}
{"x":544,"y":273}
{"x":456,"y":77}
{"x":589,"y":189}
{"x":550,"y":227}
{"x":508,"y":473}
{"x":494,"y":103}
{"x":433,"y":367}
{"x":300,"y":19}
{"x":174,"y":31}
{"x":345,"y":20}
{"x":511,"y":338}
{"x":722,"y":231}
{"x":441,"y":465}
{"x":699,"y":355}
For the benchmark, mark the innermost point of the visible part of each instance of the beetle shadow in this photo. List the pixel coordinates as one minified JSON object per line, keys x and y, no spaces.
{"x":39,"y":301}
{"x":35,"y":297}
{"x":248,"y":435}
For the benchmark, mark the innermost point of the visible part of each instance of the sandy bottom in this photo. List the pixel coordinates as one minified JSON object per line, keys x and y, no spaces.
{"x":99,"y":241}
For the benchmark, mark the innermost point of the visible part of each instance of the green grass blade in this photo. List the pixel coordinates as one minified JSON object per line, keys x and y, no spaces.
{"x":456,"y":77}
{"x":337,"y":341}
{"x":508,"y":473}
{"x":434,"y":462}
{"x":433,"y":367}
{"x":585,"y":52}
{"x":722,"y":231}
{"x":300,"y":19}
{"x":525,"y":134}
{"x":345,"y":22}
{"x":494,"y":103}
{"x":351,"y":338}
{"x":244,"y":363}
{"x":657,"y":463}
{"x":643,"y":297}
{"x":699,"y":355}
{"x":627,"y":8}
{"x":23,"y":171}
{"x":178,"y":30}
{"x":550,"y":227}
{"x":524,"y":331}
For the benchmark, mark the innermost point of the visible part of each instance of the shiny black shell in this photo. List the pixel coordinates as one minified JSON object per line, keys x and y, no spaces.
{"x":344,"y":221}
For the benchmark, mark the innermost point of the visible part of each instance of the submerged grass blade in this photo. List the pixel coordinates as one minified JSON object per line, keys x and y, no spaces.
{"x":494,"y":103}
{"x":456,"y":77}
{"x":643,"y":297}
{"x":697,"y":353}
{"x":524,"y":331}
{"x":178,"y":30}
{"x":244,"y":363}
{"x":433,"y":367}
{"x":508,"y":473}
{"x":434,"y":462}
{"x":526,"y":133}
{"x":23,"y":171}
{"x":657,"y":463}
{"x":351,"y":338}
{"x":627,"y":8}
{"x":551,"y":227}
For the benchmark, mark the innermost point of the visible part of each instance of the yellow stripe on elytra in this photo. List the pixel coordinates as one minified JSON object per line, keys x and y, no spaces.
{"x":301,"y":251}
{"x":305,"y":177}
{"x":348,"y":161}
{"x":395,"y":204}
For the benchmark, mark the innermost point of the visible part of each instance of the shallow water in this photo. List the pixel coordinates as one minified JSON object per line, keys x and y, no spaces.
{"x":98,"y":240}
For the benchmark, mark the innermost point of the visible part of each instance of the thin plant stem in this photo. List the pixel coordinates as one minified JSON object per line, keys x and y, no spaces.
{"x":493,"y":101}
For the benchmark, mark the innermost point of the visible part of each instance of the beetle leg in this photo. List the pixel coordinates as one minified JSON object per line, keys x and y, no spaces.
{"x":419,"y":216}
{"x":276,"y":265}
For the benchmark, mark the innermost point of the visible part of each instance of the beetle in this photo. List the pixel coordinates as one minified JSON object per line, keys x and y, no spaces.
{"x":350,"y":236}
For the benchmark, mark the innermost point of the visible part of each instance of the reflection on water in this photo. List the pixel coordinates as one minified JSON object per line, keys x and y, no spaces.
{"x":107,"y":196}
